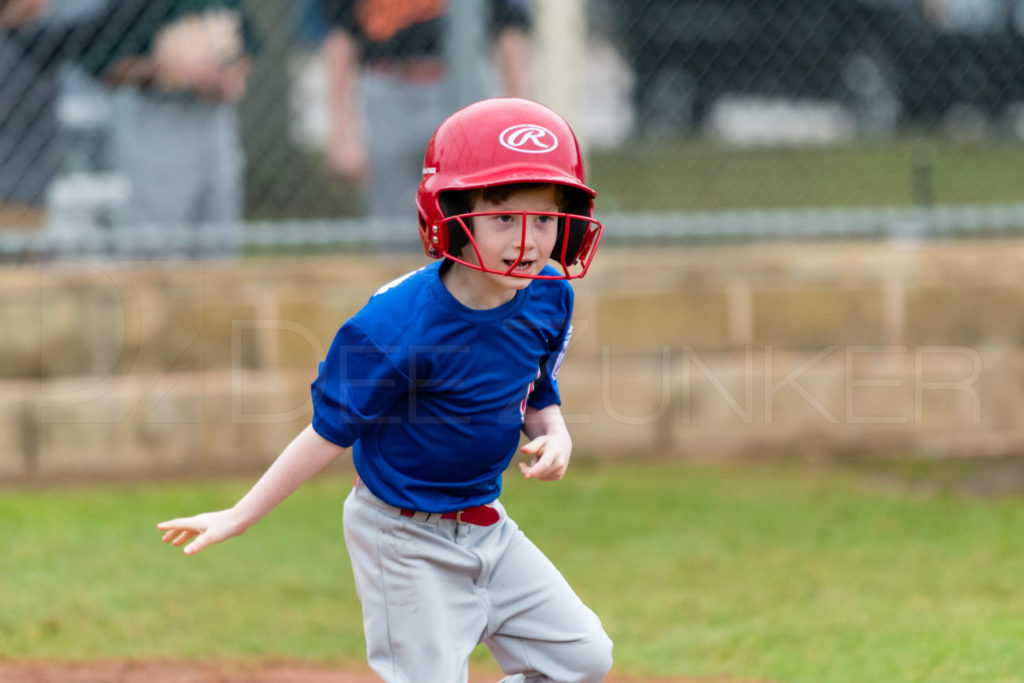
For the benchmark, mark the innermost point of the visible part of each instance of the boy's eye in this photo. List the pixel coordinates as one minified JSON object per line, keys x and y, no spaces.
{"x":513,"y":219}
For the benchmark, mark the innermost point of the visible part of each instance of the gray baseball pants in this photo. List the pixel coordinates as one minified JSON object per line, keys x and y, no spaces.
{"x":183,"y":159}
{"x":433,"y":589}
{"x":401,"y":118}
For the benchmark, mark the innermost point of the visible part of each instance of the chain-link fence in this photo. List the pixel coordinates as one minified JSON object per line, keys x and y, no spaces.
{"x":701,"y":119}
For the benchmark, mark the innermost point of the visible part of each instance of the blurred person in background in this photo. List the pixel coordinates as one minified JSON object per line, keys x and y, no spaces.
{"x":183,"y":67}
{"x":387,"y":88}
{"x":34,"y":41}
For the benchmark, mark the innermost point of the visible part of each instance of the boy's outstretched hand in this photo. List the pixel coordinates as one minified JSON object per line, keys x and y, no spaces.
{"x":551,"y":457}
{"x":207,"y":528}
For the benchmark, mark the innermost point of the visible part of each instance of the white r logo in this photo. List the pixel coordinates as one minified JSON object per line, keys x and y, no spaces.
{"x":527,"y":137}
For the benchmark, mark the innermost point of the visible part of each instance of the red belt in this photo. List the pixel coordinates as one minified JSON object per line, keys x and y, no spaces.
{"x":481,"y":515}
{"x":411,"y":70}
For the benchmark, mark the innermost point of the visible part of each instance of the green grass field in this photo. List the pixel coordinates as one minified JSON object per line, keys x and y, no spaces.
{"x":769,"y":572}
{"x":697,"y":175}
{"x":694,"y":175}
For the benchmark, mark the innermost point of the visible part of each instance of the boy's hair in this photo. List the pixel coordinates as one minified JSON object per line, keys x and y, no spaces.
{"x":457,"y":202}
{"x":500,"y":193}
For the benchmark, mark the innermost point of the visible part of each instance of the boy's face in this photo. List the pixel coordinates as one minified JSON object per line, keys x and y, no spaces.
{"x":508,"y":234}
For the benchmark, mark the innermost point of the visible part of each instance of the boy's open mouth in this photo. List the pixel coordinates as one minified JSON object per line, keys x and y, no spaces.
{"x":521,"y":267}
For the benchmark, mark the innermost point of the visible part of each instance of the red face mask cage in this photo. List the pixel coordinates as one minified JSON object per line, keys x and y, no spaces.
{"x":573,"y":254}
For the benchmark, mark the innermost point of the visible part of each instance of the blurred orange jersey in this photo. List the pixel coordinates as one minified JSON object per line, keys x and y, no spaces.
{"x":382,"y":19}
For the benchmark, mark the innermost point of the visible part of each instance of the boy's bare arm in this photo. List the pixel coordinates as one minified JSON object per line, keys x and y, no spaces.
{"x":512,"y":54}
{"x":306,"y":455}
{"x":346,"y":147}
{"x":550,"y":444}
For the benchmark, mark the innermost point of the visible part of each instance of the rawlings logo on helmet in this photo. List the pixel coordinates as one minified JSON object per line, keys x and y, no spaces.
{"x":529,"y":138}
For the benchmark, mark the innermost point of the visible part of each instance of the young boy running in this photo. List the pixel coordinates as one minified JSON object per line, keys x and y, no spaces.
{"x":430,"y":385}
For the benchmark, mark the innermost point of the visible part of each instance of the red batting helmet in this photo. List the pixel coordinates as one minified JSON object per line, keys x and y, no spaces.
{"x":504,"y":141}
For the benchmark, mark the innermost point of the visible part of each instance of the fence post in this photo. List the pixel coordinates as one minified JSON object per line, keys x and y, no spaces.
{"x":561,"y":27}
{"x":463,"y":45}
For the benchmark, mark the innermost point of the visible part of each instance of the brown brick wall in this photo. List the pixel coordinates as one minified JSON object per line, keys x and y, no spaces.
{"x":137,"y":368}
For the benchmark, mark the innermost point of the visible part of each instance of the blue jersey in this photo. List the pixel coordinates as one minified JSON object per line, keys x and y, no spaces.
{"x":431,"y":394}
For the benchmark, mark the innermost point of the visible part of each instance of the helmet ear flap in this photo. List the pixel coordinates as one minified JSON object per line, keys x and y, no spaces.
{"x":572,"y":232}
{"x":570,"y":239}
{"x":455,"y":204}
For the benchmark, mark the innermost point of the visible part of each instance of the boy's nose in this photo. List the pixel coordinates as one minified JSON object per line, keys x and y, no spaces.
{"x":528,"y":235}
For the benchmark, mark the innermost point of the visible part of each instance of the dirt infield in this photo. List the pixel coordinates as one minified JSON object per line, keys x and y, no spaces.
{"x":250,"y":672}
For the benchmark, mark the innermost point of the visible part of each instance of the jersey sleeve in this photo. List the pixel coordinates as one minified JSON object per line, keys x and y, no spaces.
{"x":545,"y":389}
{"x":127,"y":28}
{"x":122,"y":29}
{"x":560,"y":300}
{"x":357,"y":386}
